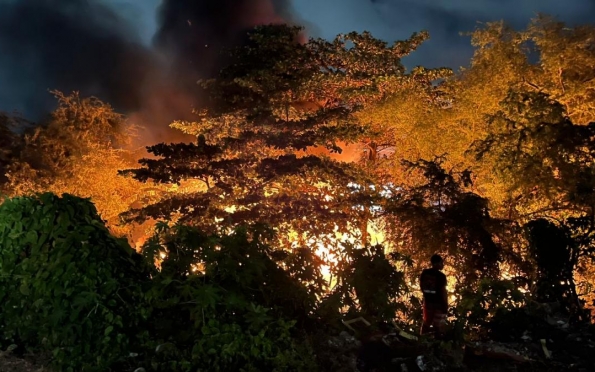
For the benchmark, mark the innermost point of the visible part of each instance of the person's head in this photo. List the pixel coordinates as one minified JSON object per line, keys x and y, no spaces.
{"x":437,"y":262}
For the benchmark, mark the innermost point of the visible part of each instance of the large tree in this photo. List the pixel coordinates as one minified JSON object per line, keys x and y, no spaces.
{"x":78,"y":150}
{"x":545,"y":159}
{"x":440,"y":216}
{"x":547,"y":57}
{"x":277,"y":101}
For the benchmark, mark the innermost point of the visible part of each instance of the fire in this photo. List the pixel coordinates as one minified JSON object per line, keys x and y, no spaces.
{"x":328,"y":248}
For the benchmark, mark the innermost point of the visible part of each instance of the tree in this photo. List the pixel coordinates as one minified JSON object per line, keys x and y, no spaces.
{"x":545,"y":159}
{"x":535,"y":146}
{"x":79,"y":150}
{"x":557,"y":254}
{"x":566,"y":67}
{"x":441,"y":216}
{"x":277,"y":100}
{"x":546,"y":58}
{"x":546,"y":164}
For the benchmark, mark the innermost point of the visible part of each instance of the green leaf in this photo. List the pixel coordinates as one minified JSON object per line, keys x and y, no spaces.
{"x":24,"y":289}
{"x":108,"y":330}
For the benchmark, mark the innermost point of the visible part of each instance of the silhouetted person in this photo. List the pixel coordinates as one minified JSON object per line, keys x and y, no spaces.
{"x":435,"y":304}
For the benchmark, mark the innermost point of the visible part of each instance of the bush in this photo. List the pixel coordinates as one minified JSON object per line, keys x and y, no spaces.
{"x":223,"y":303}
{"x":492,"y":299}
{"x":66,"y":285}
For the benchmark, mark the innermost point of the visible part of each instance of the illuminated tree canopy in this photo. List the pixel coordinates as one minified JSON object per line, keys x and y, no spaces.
{"x":276,"y":100}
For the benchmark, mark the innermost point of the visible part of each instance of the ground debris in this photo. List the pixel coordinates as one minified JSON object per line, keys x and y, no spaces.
{"x":493,"y":350}
{"x":535,"y":342}
{"x":542,"y":335}
{"x":12,"y":363}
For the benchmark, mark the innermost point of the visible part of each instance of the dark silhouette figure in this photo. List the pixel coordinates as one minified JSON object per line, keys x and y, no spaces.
{"x":435,"y":304}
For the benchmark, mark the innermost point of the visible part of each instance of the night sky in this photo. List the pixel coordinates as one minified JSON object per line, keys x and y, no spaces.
{"x":397,"y":19}
{"x":65,"y":44}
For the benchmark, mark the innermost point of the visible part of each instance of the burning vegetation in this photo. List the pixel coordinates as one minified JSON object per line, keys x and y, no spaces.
{"x":258,"y":236}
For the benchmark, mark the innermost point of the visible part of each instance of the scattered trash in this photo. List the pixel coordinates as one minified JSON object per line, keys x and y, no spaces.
{"x":547,"y":353}
{"x":404,"y":334}
{"x":353,"y":321}
{"x":544,"y":337}
{"x":420,"y":363}
{"x":526,"y":336}
{"x":497,"y":351}
{"x":8,"y":350}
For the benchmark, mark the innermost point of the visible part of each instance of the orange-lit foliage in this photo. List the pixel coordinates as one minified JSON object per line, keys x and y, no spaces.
{"x":275,"y":100}
{"x":526,"y":101}
{"x":79,"y":151}
{"x":449,"y":119}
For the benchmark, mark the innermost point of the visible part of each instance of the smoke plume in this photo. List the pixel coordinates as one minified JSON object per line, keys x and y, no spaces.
{"x":85,"y":45}
{"x":68,"y":45}
{"x":193,"y":33}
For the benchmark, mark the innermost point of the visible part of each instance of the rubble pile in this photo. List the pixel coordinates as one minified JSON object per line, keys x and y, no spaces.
{"x":523,"y":340}
{"x":542,"y":335}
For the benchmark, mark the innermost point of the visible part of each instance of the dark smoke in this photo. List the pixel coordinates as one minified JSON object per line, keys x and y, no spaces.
{"x":83,"y":45}
{"x":192,"y":36}
{"x":68,"y":45}
{"x":193,"y":33}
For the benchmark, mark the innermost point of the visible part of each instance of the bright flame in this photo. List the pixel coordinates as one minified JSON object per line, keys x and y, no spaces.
{"x":328,"y":247}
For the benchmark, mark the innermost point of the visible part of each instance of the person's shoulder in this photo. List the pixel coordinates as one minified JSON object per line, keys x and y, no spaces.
{"x":441,"y":275}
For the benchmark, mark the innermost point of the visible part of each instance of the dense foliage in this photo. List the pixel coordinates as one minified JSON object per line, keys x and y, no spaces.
{"x":198,"y":300}
{"x":77,"y":150}
{"x":224,"y":303}
{"x":68,"y":287}
{"x":277,"y":99}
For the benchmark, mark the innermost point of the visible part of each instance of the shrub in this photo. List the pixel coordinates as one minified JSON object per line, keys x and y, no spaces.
{"x":223,"y":303}
{"x":66,"y":285}
{"x":492,"y":299}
